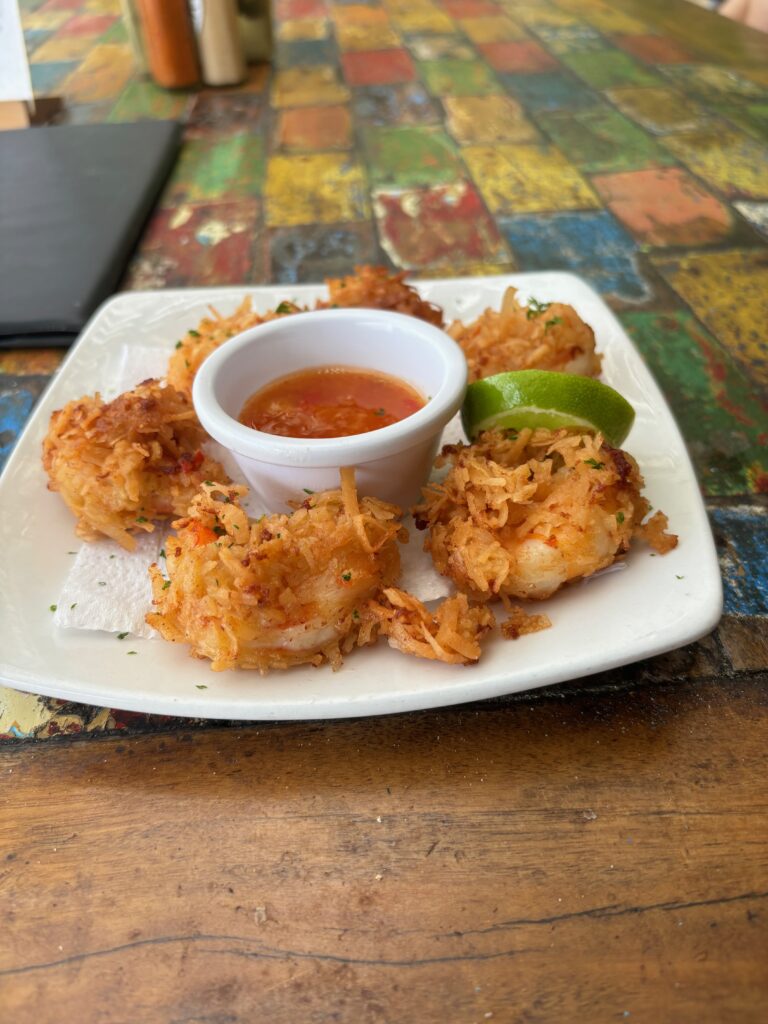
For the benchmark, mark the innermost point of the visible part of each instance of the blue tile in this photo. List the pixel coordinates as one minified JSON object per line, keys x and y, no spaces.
{"x":46,"y":77}
{"x":549,"y":91}
{"x":17,"y":398}
{"x":404,"y":103}
{"x":311,"y":253}
{"x":742,"y":536}
{"x":305,"y":52}
{"x":35,"y":37}
{"x":592,"y":245}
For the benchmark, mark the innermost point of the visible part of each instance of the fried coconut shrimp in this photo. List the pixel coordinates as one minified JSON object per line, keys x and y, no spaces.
{"x":452,"y":634}
{"x":283,"y":590}
{"x":539,"y":336}
{"x":376,"y":288}
{"x":520,"y":518}
{"x":197,"y":345}
{"x":119,"y":465}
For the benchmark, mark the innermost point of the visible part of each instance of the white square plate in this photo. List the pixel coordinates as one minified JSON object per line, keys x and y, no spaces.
{"x":653,"y":604}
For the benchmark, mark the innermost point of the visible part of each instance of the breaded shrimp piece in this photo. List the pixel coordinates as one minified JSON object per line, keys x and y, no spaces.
{"x":451,"y":635}
{"x":122,"y":464}
{"x":521,"y":517}
{"x":376,"y":288}
{"x":279,"y":591}
{"x":197,"y":344}
{"x":539,"y":336}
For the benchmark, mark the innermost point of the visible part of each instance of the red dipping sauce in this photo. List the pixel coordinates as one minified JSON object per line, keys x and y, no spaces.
{"x":330,"y":401}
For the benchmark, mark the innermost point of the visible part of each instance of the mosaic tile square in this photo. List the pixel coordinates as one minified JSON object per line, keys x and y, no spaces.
{"x":487,"y":119}
{"x":302,"y":129}
{"x":316,"y":188}
{"x":302,"y":28}
{"x":88,"y":24}
{"x":605,"y":68}
{"x":101,"y":76}
{"x":437,"y":47}
{"x":34,"y":38}
{"x":471,"y":9}
{"x":527,"y":179}
{"x":402,"y":103}
{"x":142,"y":99}
{"x":381,"y":67}
{"x":710,"y":81}
{"x":210,"y":244}
{"x":609,"y":20}
{"x":439,"y":229}
{"x":359,"y":14}
{"x":311,"y":252}
{"x":717,"y":409}
{"x":562,"y":39}
{"x":304,"y":52}
{"x":540,"y":14}
{"x":307,"y":87}
{"x":297,"y":9}
{"x":367,"y":37}
{"x":116,"y":33}
{"x":664,"y":206}
{"x":210,"y":169}
{"x":517,"y":57}
{"x":63,"y":47}
{"x":728,"y":292}
{"x":17,"y":399}
{"x":591,"y":245}
{"x":653,"y":49}
{"x":449,"y":77}
{"x":86,"y":113}
{"x":46,"y":78}
{"x":549,"y":91}
{"x":750,"y":117}
{"x":498,"y":29}
{"x":658,"y":110}
{"x":407,"y":156}
{"x":225,"y":114}
{"x":422,"y":18}
{"x":723,"y":157}
{"x":601,"y":139}
{"x":46,"y":20}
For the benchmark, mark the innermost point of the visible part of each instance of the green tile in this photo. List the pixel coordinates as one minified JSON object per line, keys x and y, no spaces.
{"x":407,"y":156}
{"x":601,"y":139}
{"x":451,"y":77}
{"x":211,"y":169}
{"x":605,"y":68}
{"x":144,"y":100}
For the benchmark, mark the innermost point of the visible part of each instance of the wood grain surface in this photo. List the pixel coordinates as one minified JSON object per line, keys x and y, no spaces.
{"x":590,"y":853}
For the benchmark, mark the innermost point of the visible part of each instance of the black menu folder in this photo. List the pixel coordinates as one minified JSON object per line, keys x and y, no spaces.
{"x":73,"y":201}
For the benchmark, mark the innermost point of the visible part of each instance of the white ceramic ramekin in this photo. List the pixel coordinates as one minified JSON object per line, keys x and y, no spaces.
{"x":391,"y":463}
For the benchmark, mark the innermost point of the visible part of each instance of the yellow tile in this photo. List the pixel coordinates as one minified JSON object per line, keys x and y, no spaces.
{"x":492,"y":30}
{"x":541,"y":15}
{"x":728,"y":291}
{"x":527,"y":179}
{"x":101,"y":76}
{"x":724,"y":157}
{"x":317,"y":188}
{"x":302,"y":28}
{"x":424,"y":18}
{"x":487,"y":119}
{"x":307,"y":87}
{"x":44,"y":21}
{"x":366,"y":37}
{"x":63,"y":48}
{"x":360,"y":14}
{"x":610,"y":20}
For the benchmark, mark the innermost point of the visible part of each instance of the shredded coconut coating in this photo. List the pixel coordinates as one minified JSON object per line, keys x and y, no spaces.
{"x":196,"y":345}
{"x":452,"y":634}
{"x":520,"y":623}
{"x":522,"y":516}
{"x":120,"y":465}
{"x":376,"y":288}
{"x":537,"y":337}
{"x":279,"y":591}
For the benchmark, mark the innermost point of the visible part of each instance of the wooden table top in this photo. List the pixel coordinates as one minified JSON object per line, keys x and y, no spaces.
{"x":593,"y":851}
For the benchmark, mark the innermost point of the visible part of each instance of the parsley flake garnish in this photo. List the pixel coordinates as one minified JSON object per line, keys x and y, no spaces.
{"x":346,"y":576}
{"x":186,"y":363}
{"x":71,"y":552}
{"x":73,"y":605}
{"x":179,"y":344}
{"x":102,"y":583}
{"x":284,"y":307}
{"x":219,"y":531}
{"x":162,"y":552}
{"x":619,"y":518}
{"x":52,"y":607}
{"x":166,"y":584}
{"x":141,"y":519}
{"x":594,"y":463}
{"x":122,"y":636}
{"x":380,"y":412}
{"x":200,"y":686}
{"x":208,"y":483}
{"x":194,"y":334}
{"x":307,"y":490}
{"x":679,"y":577}
{"x":553,"y":322}
{"x":536,"y":308}
{"x":131,"y":652}
{"x":355,"y":614}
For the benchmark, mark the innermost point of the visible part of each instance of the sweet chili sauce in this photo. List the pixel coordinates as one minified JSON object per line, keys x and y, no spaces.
{"x":330,"y":401}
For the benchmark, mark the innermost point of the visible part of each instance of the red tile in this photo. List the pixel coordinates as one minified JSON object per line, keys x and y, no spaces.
{"x":311,"y":128}
{"x":654,"y":49}
{"x":664,"y":206}
{"x":378,"y":67}
{"x":471,"y":9}
{"x":286,"y":9}
{"x":517,"y":57}
{"x":87,"y":25}
{"x":61,"y":5}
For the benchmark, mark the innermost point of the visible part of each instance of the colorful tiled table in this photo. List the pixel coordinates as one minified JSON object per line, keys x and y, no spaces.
{"x":623,"y":141}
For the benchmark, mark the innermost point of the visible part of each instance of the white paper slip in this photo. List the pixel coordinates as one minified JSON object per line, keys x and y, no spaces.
{"x":15,"y":79}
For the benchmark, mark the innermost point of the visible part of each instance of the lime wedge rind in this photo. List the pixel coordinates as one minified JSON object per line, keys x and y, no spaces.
{"x":545,"y":398}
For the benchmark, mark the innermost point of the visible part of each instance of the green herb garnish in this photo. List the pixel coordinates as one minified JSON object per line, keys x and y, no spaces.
{"x":619,"y":518}
{"x":536,"y":308}
{"x":200,"y":686}
{"x":194,"y":334}
{"x":307,"y":490}
{"x":73,"y":605}
{"x":179,"y":344}
{"x":284,"y":307}
{"x":52,"y":607}
{"x":346,"y":576}
{"x":141,"y":519}
{"x":553,"y":322}
{"x":594,"y":463}
{"x":122,"y":636}
{"x":166,"y":584}
{"x":131,"y":652}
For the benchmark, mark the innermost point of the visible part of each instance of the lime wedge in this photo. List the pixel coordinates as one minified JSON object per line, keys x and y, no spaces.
{"x":542,"y":398}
